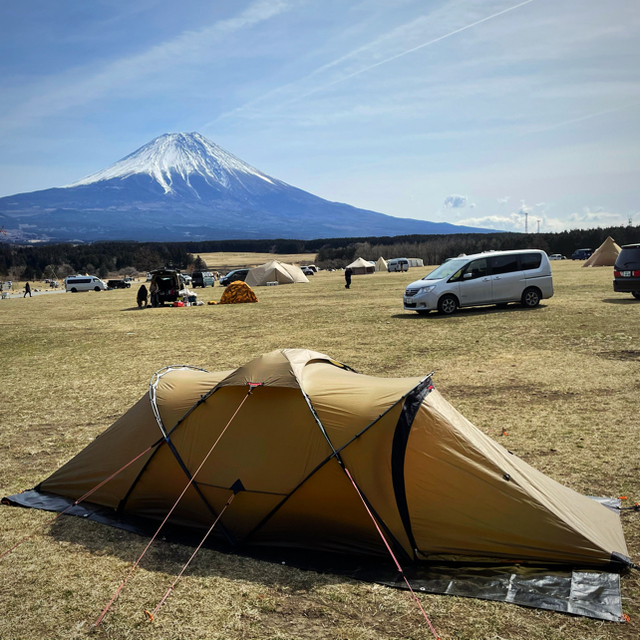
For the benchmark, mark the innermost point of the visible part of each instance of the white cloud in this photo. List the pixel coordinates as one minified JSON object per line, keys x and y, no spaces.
{"x":524,"y":209}
{"x":503,"y":200}
{"x":472,"y":205}
{"x":596,"y":218}
{"x":513,"y":222}
{"x":455,"y":202}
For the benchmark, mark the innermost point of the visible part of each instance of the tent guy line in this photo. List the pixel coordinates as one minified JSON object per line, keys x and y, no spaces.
{"x":193,"y":555}
{"x":191,"y":480}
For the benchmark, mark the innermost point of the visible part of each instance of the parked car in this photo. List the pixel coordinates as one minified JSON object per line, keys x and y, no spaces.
{"x":118,"y":284}
{"x":626,"y":271}
{"x":581,"y":254}
{"x":84,"y":283}
{"x":202,"y":279}
{"x":398,"y":264}
{"x":556,"y":256}
{"x":307,"y":271}
{"x":170,"y":282}
{"x":495,"y":277}
{"x":232,"y":276}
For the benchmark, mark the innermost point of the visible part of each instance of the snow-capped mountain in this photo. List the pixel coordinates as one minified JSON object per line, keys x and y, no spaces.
{"x":182,"y":186}
{"x":181,"y":155}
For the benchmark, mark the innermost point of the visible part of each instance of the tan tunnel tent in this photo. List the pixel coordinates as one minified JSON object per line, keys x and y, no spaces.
{"x":298,"y":432}
{"x":605,"y":255}
{"x":275,"y":271}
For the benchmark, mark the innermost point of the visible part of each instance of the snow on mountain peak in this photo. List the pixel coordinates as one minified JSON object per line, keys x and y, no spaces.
{"x":180,"y":154}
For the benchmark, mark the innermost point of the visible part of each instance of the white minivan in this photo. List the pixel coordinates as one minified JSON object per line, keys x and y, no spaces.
{"x":495,"y":277}
{"x":84,"y":283}
{"x":398,"y":264}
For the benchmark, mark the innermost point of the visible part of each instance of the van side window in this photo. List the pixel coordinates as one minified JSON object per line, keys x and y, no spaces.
{"x":530,"y":261}
{"x":477,"y":269}
{"x":504,"y":264}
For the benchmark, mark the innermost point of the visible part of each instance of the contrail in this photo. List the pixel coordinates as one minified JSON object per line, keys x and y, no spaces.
{"x":587,"y":117}
{"x":408,"y":51}
{"x":373,"y":66}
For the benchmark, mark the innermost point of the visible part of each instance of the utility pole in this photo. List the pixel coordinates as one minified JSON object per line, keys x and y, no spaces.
{"x":526,"y":222}
{"x":538,"y":225}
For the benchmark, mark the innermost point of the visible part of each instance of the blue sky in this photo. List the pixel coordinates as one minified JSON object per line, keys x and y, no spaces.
{"x":466,"y":111}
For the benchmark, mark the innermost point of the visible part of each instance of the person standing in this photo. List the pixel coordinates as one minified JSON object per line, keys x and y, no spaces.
{"x":27,"y":289}
{"x":347,"y":277}
{"x":154,"y":290}
{"x":142,"y":297}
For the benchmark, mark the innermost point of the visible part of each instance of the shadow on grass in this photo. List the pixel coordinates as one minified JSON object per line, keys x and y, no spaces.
{"x":631,"y":300}
{"x":466,"y":312}
{"x":168,"y":555}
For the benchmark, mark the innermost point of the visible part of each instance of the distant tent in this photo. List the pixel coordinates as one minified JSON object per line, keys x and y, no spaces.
{"x":361,"y":266}
{"x":381,"y":264}
{"x":605,"y":255}
{"x":275,"y":271}
{"x":313,"y":431}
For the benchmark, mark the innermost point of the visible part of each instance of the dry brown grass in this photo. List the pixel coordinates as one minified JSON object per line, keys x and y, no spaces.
{"x":563,"y":379}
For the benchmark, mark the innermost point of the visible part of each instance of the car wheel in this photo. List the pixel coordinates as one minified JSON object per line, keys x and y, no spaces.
{"x":530,"y":298}
{"x":447,"y":305}
{"x":74,"y":290}
{"x":636,"y":294}
{"x":96,"y":288}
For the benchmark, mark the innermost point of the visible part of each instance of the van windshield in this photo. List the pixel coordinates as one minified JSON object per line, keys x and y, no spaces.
{"x":447,"y":269}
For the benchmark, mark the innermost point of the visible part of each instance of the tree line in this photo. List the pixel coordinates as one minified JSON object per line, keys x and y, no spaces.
{"x":104,"y":258}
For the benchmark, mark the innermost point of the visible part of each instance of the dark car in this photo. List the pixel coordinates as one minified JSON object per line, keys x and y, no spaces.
{"x":626,"y":271}
{"x":202,"y":279}
{"x":232,"y":276}
{"x":581,"y":254}
{"x":118,"y":284}
{"x":170,"y":282}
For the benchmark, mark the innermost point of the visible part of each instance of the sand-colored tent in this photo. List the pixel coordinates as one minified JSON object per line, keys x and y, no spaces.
{"x":435,"y":482}
{"x":381,"y":264}
{"x":605,"y":255}
{"x":361,"y":267}
{"x":313,"y":453}
{"x":275,"y":271}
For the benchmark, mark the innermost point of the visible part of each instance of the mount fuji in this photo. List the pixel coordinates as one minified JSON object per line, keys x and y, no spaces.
{"x":182,"y":186}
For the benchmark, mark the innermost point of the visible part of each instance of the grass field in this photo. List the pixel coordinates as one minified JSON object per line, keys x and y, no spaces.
{"x":562,"y":379}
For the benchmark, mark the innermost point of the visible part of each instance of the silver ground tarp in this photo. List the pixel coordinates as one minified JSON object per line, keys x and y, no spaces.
{"x":595,"y":594}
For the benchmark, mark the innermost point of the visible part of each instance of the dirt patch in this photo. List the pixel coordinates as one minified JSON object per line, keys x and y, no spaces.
{"x":624,"y":355}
